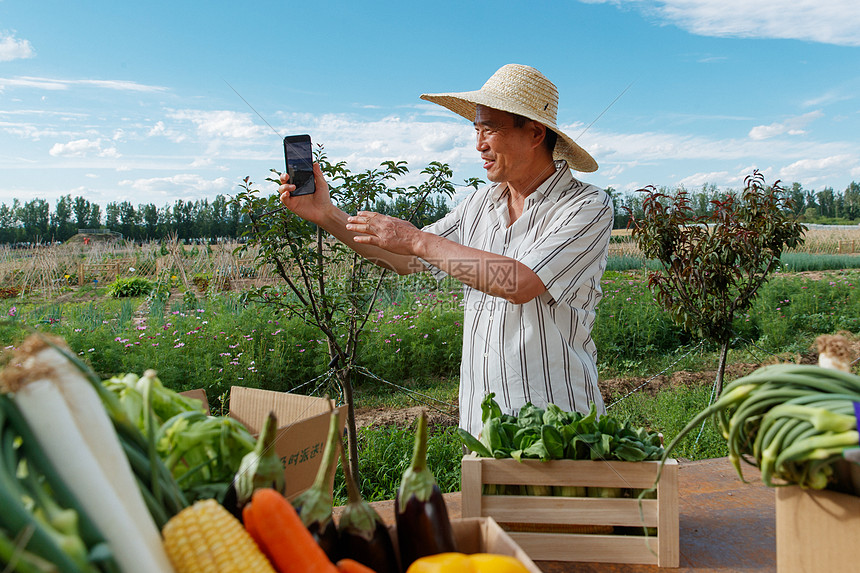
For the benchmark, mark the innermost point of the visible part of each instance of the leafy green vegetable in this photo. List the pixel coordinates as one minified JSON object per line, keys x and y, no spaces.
{"x":165,"y":402}
{"x":552,"y":434}
{"x":201,"y":451}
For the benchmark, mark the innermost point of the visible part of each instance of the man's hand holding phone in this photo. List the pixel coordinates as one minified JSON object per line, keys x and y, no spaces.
{"x":299,"y":158}
{"x":311,"y":207}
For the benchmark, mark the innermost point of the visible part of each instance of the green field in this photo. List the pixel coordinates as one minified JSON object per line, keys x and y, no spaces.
{"x":412,"y":346}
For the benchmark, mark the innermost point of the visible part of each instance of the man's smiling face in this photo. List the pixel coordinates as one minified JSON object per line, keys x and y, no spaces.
{"x":502,"y":145}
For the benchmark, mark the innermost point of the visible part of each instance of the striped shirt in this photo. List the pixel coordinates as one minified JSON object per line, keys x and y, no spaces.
{"x":541,"y":351}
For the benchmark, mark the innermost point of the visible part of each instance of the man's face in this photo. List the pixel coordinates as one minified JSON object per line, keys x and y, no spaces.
{"x":503,"y":146}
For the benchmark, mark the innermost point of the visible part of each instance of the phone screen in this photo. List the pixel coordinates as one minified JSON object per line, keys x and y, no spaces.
{"x":300,"y":163}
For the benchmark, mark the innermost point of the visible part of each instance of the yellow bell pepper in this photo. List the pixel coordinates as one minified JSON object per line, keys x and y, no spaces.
{"x":462,"y":563}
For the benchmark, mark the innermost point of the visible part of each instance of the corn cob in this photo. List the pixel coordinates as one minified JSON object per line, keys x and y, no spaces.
{"x":206,"y":538}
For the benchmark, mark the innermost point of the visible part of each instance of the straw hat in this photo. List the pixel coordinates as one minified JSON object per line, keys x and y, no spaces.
{"x":524,"y":91}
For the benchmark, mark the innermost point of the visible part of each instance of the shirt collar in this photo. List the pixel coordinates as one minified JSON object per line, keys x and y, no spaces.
{"x":548,"y":189}
{"x":556,"y":182}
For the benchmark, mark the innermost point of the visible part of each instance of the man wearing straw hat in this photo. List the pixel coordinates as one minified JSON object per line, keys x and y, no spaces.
{"x":530,"y":248}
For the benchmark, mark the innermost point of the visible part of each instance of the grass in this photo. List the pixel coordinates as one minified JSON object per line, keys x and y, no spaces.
{"x":801,"y":262}
{"x":669,"y":412}
{"x":385,"y":452}
{"x":408,"y":393}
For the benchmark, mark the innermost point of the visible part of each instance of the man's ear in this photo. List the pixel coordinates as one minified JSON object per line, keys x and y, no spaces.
{"x":538,"y":133}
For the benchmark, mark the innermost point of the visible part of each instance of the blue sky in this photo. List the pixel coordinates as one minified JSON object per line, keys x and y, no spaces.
{"x":129,"y":101}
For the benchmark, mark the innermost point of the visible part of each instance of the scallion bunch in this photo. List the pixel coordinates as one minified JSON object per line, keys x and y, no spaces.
{"x":792,"y":421}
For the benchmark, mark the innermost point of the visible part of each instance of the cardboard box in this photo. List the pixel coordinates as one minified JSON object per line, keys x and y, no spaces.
{"x":816,"y":530}
{"x":585,"y":529}
{"x":302,"y":428}
{"x":200,"y":395}
{"x":482,"y":535}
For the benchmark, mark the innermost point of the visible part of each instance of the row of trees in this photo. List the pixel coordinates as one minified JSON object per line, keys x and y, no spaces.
{"x":826,"y":206}
{"x":35,"y":222}
{"x":222,"y":218}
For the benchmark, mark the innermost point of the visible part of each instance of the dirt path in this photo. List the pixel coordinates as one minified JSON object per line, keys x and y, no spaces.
{"x":611,"y":388}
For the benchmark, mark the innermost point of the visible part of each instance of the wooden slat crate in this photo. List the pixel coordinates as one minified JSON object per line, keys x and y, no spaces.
{"x":581,"y":520}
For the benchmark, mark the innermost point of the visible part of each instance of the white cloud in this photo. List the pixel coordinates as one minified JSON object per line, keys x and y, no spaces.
{"x":52,"y":84}
{"x":364,"y":144}
{"x":812,"y":170}
{"x":161,"y":130}
{"x":227,"y":124}
{"x":187,"y":183}
{"x":83,"y":148}
{"x":829,"y":97}
{"x":791,"y":126}
{"x":699,"y":179}
{"x":11,"y":48}
{"x":828,"y":22}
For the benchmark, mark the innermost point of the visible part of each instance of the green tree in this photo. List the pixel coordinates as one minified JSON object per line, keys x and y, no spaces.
{"x":95,"y":221}
{"x":619,"y":217}
{"x":811,"y":208}
{"x":714,"y":265}
{"x":149,"y":218}
{"x":35,"y":217}
{"x":827,"y":202}
{"x":204,"y":220}
{"x":182,"y":219}
{"x":129,"y":221}
{"x":112,"y":217}
{"x":220,"y":217}
{"x":851,"y":201}
{"x":81,"y":208}
{"x":61,"y":222}
{"x":330,"y":286}
{"x":797,"y":196}
{"x":9,"y":222}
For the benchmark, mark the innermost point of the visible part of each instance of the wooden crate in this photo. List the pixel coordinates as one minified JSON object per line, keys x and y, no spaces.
{"x":816,"y":530}
{"x":581,"y":519}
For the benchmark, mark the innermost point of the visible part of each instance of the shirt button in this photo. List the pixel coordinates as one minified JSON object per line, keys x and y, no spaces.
{"x":486,"y":354}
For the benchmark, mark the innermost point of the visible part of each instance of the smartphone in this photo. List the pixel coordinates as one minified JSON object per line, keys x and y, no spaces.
{"x":300,"y":163}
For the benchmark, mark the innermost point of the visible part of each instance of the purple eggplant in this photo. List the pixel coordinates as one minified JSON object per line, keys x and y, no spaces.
{"x":423,"y":526}
{"x":314,"y":505}
{"x":364,"y":537}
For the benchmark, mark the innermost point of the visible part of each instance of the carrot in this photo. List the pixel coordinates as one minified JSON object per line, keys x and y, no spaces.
{"x":283,"y":536}
{"x":352,"y":566}
{"x":248,"y":522}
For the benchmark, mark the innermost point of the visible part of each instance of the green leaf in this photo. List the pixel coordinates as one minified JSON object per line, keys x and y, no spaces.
{"x":490,"y":408}
{"x":473,"y":443}
{"x":530,"y":416}
{"x":553,"y":442}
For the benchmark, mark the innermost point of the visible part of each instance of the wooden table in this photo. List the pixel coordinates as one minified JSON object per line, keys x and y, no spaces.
{"x":725,"y":525}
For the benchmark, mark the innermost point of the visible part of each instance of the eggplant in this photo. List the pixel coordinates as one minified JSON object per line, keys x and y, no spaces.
{"x":260,"y":468}
{"x":314,"y":505}
{"x":364,"y":537}
{"x":423,"y":526}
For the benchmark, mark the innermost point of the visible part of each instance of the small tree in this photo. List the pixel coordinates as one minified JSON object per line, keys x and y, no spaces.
{"x":327,"y":284}
{"x":714,"y":264}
